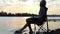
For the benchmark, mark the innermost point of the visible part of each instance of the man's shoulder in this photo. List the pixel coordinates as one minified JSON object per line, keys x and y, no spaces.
{"x":46,"y":7}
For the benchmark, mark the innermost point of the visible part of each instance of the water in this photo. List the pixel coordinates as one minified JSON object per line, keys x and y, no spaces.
{"x":9,"y":24}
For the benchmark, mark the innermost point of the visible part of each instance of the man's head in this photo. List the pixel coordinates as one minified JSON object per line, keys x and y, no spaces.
{"x":42,"y":3}
{"x":43,"y":0}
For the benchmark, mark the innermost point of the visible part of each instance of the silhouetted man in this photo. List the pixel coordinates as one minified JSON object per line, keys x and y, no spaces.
{"x":41,"y":17}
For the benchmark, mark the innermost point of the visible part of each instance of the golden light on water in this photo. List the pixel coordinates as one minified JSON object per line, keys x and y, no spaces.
{"x":18,"y":23}
{"x":13,"y":23}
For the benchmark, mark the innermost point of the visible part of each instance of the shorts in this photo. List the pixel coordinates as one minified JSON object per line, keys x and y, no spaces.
{"x":34,"y":21}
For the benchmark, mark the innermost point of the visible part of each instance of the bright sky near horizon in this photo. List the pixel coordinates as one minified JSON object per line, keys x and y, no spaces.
{"x":28,"y":6}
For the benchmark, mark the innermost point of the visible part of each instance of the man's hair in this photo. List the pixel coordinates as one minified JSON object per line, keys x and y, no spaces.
{"x":42,"y":3}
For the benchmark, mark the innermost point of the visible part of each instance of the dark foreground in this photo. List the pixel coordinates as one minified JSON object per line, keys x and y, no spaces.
{"x":56,"y":31}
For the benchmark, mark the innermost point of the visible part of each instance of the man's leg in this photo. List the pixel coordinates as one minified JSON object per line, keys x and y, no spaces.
{"x":20,"y":31}
{"x":30,"y":29}
{"x":29,"y":22}
{"x":23,"y":27}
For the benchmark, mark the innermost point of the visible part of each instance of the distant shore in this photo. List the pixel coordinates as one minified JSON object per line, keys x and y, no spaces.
{"x":5,"y":14}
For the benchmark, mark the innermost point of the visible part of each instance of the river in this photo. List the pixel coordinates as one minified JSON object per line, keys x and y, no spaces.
{"x":9,"y":24}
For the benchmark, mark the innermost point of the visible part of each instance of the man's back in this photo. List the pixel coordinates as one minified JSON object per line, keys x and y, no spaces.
{"x":43,"y":12}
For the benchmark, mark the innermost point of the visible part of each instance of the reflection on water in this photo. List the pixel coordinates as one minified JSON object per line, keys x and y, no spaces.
{"x":9,"y":24}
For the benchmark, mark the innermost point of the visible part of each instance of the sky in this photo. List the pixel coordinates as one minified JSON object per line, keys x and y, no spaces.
{"x":29,"y":6}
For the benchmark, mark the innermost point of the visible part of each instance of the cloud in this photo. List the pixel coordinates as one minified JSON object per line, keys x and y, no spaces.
{"x":23,"y":5}
{"x":53,"y":2}
{"x":5,"y":3}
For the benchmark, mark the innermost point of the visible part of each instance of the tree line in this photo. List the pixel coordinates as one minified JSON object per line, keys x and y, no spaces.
{"x":2,"y":13}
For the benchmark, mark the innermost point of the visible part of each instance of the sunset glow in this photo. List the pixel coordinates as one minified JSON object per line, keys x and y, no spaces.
{"x":28,"y":6}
